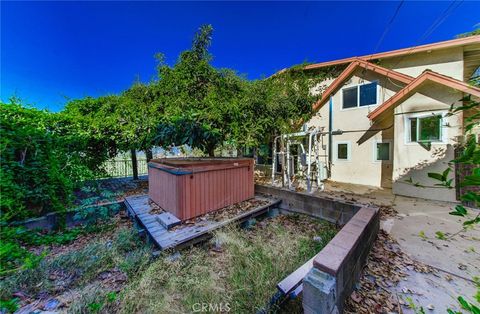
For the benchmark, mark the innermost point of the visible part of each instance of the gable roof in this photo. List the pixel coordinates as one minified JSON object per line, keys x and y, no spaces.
{"x":358,"y":63}
{"x":400,"y":52}
{"x":408,"y":90}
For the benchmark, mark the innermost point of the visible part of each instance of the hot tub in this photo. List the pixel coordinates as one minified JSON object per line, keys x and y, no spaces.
{"x":190,"y":187}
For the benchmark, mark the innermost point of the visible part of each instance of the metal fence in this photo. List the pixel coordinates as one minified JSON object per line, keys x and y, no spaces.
{"x":119,"y":168}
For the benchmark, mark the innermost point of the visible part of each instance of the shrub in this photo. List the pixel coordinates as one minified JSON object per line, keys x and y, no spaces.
{"x":43,"y":157}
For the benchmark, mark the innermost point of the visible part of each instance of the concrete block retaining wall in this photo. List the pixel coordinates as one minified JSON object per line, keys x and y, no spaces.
{"x":52,"y":221}
{"x":332,"y":209}
{"x":339,"y":264}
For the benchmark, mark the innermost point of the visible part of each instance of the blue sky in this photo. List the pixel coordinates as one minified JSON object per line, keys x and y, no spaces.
{"x":51,"y":51}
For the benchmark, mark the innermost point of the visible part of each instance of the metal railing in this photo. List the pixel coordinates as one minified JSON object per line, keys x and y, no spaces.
{"x":120,"y":168}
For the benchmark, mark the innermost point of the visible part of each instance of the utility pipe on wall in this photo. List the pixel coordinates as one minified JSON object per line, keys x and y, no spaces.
{"x":330,"y":128}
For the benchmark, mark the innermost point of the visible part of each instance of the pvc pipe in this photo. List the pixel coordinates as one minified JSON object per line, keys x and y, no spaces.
{"x":330,"y":128}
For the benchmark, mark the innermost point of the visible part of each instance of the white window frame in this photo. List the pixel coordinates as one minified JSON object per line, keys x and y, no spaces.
{"x":390,"y":151}
{"x":357,"y":86}
{"x":349,"y":151}
{"x":406,"y":124}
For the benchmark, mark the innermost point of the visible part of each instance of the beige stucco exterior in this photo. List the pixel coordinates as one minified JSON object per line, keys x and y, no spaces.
{"x":447,"y":62}
{"x":361,"y":168}
{"x":408,"y":160}
{"x":414,"y":161}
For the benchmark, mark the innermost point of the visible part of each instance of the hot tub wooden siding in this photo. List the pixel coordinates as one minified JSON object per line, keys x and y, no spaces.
{"x":192,"y":187}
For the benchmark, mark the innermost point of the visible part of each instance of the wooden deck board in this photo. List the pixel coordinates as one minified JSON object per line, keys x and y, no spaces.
{"x":293,"y":280}
{"x":166,"y":239}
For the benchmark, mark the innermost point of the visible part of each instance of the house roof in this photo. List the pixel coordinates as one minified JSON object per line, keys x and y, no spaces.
{"x":400,"y":52}
{"x":355,"y":64}
{"x":408,"y":90}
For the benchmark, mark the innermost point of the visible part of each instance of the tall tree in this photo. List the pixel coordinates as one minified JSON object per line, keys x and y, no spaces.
{"x":200,"y":100}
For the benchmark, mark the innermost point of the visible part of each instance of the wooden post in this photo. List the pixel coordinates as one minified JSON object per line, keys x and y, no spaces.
{"x":134,"y":164}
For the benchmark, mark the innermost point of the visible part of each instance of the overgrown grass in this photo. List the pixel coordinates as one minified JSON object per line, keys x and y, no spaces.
{"x":14,"y":243}
{"x":244,"y":274}
{"x":239,"y":269}
{"x":72,"y":269}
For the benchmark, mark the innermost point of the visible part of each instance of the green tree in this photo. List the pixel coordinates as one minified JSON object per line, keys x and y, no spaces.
{"x":206,"y":107}
{"x":200,"y":101}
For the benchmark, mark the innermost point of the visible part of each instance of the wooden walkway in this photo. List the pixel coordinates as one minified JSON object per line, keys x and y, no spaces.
{"x":139,"y":208}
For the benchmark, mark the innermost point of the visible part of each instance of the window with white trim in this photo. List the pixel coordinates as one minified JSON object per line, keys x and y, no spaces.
{"x":343,"y":151}
{"x":382,"y":151}
{"x":425,"y":129}
{"x":360,"y":95}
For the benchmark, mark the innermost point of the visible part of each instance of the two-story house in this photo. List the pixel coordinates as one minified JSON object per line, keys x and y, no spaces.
{"x":391,"y":108}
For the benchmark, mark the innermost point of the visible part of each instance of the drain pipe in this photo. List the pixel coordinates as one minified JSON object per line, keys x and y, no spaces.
{"x":330,"y":128}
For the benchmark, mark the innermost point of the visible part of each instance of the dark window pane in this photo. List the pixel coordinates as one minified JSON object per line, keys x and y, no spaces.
{"x":368,"y":94}
{"x":350,"y":97}
{"x":429,"y":128}
{"x":413,"y":129}
{"x":342,"y":151}
{"x":383,"y":151}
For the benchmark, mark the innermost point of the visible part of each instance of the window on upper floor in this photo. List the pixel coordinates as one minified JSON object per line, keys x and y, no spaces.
{"x":425,"y":129}
{"x":360,"y":95}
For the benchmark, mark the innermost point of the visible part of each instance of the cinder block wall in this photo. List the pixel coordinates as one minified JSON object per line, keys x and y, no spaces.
{"x":339,"y":265}
{"x":332,"y":209}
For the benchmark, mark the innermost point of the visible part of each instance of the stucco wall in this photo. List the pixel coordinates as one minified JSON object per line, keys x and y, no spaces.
{"x":361,"y":168}
{"x":410,"y":160}
{"x":414,"y":161}
{"x":446,"y":61}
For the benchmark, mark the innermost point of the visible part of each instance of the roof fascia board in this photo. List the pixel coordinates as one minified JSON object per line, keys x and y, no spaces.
{"x":399,"y":52}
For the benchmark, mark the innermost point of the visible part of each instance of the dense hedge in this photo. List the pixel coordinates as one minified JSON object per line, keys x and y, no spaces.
{"x":43,"y":157}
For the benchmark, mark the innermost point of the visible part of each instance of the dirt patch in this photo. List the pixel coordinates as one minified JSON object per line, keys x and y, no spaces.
{"x":387,"y":212}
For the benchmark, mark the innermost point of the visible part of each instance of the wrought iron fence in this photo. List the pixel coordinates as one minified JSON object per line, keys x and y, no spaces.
{"x":119,"y":168}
